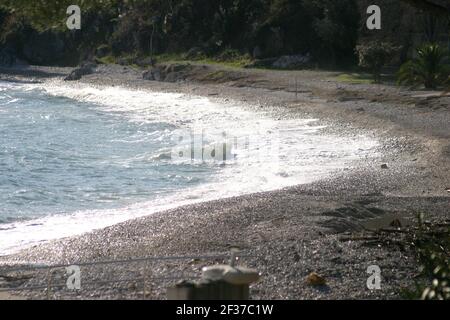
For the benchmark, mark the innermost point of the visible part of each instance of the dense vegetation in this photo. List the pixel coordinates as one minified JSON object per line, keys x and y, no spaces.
{"x":430,"y":68}
{"x":328,"y":31}
{"x":431,"y":244}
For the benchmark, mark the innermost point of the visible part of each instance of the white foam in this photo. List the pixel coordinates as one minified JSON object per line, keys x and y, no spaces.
{"x":305,"y":155}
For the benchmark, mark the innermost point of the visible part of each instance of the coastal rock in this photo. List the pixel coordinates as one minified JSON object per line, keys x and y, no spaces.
{"x":125,"y":61}
{"x":174,"y":77}
{"x":168,"y":73}
{"x":147,"y":75}
{"x":152,"y":75}
{"x":291,"y":62}
{"x":176,"y":67}
{"x":145,"y":62}
{"x":84,"y":69}
{"x":157,"y":74}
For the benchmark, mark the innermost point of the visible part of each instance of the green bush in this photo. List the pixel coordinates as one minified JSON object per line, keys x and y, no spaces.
{"x":326,"y":29}
{"x":431,"y":244}
{"x":431,"y":68}
{"x":374,"y":55}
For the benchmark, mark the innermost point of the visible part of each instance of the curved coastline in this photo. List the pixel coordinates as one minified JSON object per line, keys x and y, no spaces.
{"x":300,"y":224}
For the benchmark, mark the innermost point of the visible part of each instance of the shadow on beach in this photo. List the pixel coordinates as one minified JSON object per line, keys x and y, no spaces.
{"x":27,"y":71}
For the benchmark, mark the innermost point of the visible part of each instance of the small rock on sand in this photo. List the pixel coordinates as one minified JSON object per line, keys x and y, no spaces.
{"x":84,"y":69}
{"x":314,"y":279}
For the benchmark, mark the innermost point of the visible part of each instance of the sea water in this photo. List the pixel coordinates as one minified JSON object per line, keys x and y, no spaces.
{"x":74,"y":158}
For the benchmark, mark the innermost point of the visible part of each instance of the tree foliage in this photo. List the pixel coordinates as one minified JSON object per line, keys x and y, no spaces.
{"x":373,"y":56}
{"x":44,"y":14}
{"x":431,"y":68}
{"x":327,"y":29}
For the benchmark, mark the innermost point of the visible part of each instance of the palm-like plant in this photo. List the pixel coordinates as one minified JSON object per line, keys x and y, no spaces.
{"x":431,"y":68}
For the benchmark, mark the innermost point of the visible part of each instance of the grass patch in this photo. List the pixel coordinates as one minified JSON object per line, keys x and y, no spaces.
{"x":128,"y":60}
{"x":356,"y":78}
{"x":364,"y":78}
{"x":235,"y":61}
{"x":215,"y":76}
{"x":107,"y":60}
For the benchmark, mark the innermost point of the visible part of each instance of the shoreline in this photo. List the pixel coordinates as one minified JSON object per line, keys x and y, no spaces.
{"x":292,"y":231}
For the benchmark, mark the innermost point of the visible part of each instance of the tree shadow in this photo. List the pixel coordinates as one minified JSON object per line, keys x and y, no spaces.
{"x":323,"y":289}
{"x":29,"y":72}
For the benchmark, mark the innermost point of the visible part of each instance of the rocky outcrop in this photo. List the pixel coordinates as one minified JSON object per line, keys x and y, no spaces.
{"x":181,"y":72}
{"x":145,"y":62}
{"x":291,"y":62}
{"x":283,"y":62}
{"x":168,"y":73}
{"x":152,"y":75}
{"x":84,"y":69}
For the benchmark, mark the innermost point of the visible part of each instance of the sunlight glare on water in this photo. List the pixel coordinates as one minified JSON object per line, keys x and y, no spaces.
{"x":76,"y":158}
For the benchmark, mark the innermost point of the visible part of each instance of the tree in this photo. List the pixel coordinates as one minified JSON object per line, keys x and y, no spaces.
{"x":46,"y":14}
{"x":374,"y":55}
{"x":431,"y":68}
{"x":337,"y":28}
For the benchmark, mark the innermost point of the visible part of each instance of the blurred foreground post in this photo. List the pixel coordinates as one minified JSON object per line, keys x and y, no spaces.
{"x":220,"y":282}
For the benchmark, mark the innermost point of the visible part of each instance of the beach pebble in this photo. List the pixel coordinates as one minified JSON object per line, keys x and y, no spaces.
{"x":314,"y":279}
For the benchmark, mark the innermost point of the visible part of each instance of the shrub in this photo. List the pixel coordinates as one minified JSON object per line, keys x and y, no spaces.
{"x":431,"y":244}
{"x":374,"y":55}
{"x":431,"y":68}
